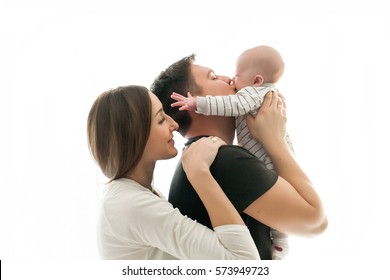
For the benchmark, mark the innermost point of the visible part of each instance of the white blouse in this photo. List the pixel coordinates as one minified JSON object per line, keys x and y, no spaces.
{"x":134,"y":223}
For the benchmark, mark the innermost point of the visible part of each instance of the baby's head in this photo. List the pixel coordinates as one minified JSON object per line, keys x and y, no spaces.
{"x":258,"y":65}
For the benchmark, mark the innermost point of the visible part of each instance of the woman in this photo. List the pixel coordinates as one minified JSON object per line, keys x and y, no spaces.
{"x":128,"y":132}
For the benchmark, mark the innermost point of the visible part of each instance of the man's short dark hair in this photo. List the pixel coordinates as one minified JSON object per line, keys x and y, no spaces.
{"x":176,"y":78}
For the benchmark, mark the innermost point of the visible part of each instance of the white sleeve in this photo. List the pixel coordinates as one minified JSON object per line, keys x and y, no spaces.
{"x":246,"y":100}
{"x":158,"y":224}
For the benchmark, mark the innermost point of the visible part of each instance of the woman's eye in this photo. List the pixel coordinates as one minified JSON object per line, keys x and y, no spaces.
{"x":161,"y":121}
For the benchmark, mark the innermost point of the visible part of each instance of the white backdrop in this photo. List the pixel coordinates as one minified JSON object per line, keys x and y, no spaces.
{"x":55,"y":61}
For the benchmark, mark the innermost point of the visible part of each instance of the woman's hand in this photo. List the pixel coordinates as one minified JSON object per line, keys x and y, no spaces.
{"x":201,"y":154}
{"x":269,"y":125}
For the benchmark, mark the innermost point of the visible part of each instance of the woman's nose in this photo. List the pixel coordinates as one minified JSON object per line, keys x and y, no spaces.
{"x":174,"y":125}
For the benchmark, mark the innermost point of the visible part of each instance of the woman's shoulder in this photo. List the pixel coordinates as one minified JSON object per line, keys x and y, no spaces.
{"x":127,"y":196}
{"x":126,"y":193}
{"x":122,"y":186}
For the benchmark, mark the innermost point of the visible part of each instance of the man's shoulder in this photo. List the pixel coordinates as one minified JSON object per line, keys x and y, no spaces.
{"x":233,"y":157}
{"x":233,"y":150}
{"x":236,"y":163}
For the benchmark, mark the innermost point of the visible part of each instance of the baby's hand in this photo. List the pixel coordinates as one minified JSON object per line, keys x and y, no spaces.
{"x":185,"y":103}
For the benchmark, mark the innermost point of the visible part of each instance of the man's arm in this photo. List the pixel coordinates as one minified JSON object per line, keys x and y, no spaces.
{"x":302,"y":212}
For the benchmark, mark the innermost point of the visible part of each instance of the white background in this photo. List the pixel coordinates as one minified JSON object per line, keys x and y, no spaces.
{"x":55,"y":60}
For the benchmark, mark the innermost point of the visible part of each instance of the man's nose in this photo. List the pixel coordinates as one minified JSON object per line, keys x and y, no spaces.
{"x":225,"y":79}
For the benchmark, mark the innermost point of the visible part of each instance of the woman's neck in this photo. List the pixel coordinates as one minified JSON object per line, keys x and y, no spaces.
{"x":142,"y":174}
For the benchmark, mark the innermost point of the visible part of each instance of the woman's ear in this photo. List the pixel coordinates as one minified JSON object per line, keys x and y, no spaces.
{"x":259,"y":80}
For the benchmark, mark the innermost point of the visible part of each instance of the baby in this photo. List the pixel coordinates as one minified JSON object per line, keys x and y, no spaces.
{"x":257,"y":71}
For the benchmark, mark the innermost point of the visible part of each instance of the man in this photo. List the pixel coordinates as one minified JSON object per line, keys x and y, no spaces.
{"x":243,"y":177}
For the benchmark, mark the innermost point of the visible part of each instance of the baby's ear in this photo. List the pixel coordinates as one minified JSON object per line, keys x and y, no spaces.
{"x":259,"y":80}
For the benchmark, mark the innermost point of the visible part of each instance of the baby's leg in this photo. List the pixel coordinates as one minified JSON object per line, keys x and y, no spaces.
{"x":280,"y":245}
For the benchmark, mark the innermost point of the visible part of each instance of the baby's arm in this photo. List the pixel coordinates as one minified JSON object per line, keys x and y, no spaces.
{"x":247,"y":100}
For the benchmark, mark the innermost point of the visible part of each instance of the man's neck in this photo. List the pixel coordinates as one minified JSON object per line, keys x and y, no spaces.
{"x":223,"y":127}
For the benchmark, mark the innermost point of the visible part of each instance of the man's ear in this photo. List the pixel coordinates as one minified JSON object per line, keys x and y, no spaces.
{"x":259,"y":80}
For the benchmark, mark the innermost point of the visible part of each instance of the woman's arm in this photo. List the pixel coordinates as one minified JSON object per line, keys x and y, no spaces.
{"x":292,"y":204}
{"x":166,"y":228}
{"x":157,"y":224}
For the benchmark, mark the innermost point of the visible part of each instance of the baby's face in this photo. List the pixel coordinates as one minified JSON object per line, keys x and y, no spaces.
{"x":244,"y":74}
